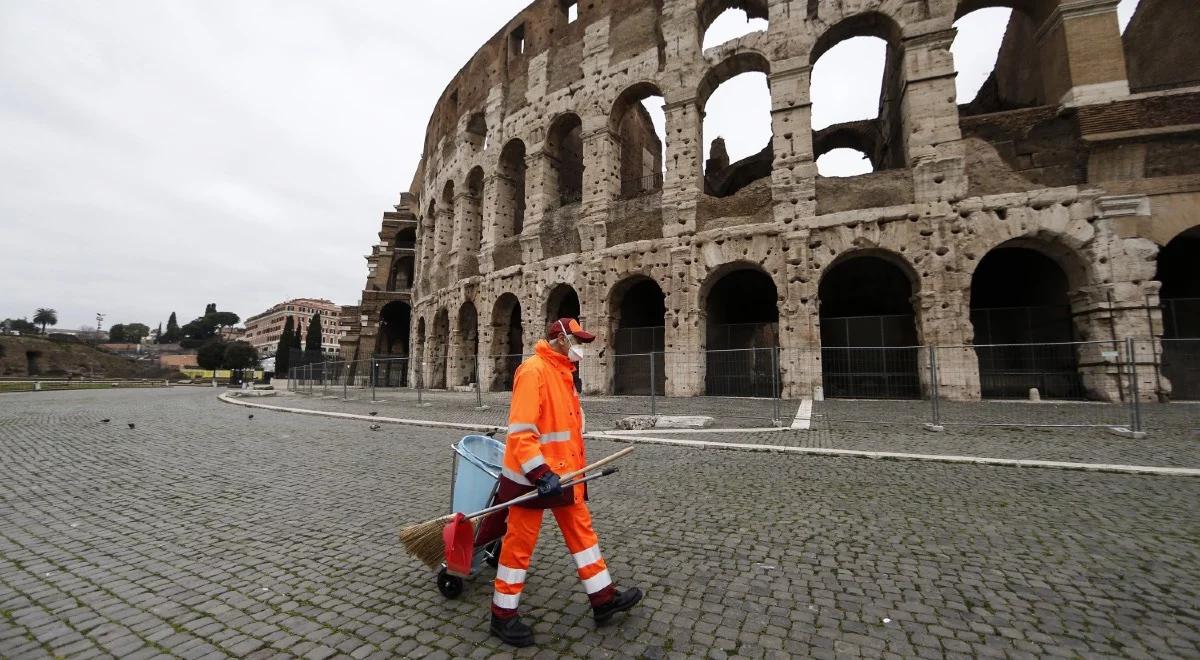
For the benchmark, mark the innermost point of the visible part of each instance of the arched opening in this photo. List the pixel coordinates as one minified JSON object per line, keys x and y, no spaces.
{"x":844,"y":161}
{"x":510,"y":191}
{"x":722,"y":21}
{"x":735,"y":100}
{"x":564,"y":149}
{"x":477,"y":134}
{"x":406,"y":239}
{"x":439,"y":342}
{"x":563,"y":302}
{"x":866,"y":49}
{"x":997,"y":58}
{"x":741,"y":310}
{"x":392,"y":347}
{"x":468,"y":344}
{"x":1180,"y":296}
{"x":508,"y":344}
{"x":637,"y":310}
{"x":401,"y":276}
{"x":1021,"y":314}
{"x":868,"y":330}
{"x":640,"y":125}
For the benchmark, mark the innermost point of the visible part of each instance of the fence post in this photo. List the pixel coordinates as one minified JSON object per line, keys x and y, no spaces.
{"x":478,"y":390}
{"x":420,"y":379}
{"x":1135,"y":406}
{"x":935,"y":386}
{"x":653,"y":378}
{"x":345,"y":381}
{"x":775,"y":389}
{"x":374,"y":377}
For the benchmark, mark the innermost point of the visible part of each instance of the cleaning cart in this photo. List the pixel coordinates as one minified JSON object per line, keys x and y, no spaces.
{"x":478,"y":460}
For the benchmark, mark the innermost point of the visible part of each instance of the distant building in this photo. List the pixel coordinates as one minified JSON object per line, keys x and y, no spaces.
{"x":263,"y":330}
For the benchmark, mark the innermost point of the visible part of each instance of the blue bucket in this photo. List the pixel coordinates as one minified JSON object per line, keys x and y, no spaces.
{"x":476,"y":472}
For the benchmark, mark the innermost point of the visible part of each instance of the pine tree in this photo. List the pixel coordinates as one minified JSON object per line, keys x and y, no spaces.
{"x":211,"y":308}
{"x":313,"y":340}
{"x":283,"y":361}
{"x":296,"y":336}
{"x":173,"y":334}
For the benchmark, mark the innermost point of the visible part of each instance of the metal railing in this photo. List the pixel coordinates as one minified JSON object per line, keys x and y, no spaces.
{"x":1132,"y":384}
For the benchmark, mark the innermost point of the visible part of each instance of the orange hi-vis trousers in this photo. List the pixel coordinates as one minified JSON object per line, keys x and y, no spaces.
{"x":575,"y":521}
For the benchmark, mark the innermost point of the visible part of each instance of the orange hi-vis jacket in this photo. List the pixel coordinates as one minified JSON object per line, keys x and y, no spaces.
{"x":545,"y":428}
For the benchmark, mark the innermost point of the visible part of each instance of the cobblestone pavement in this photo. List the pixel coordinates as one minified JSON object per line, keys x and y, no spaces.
{"x":203,"y":533}
{"x":843,"y":425}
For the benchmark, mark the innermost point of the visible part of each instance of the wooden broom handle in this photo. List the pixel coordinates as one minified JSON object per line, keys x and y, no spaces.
{"x":562,"y":479}
{"x":600,"y":463}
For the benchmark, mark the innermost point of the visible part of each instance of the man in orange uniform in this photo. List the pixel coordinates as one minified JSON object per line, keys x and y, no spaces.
{"x":545,"y":440}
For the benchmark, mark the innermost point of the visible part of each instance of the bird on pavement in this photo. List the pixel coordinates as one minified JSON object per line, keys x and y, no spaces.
{"x":373,"y":413}
{"x":105,"y":421}
{"x":375,"y":427}
{"x":130,"y":424}
{"x":251,"y":416}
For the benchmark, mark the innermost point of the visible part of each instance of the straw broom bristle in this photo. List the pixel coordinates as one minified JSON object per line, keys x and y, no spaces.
{"x":424,"y":541}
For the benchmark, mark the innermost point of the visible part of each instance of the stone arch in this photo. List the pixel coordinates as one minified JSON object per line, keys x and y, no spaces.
{"x":723,"y":178}
{"x":1066,"y":251}
{"x":508,"y":343}
{"x":860,"y":136}
{"x":867,"y":24}
{"x":439,"y":343}
{"x":640,"y":146}
{"x":403,"y":271}
{"x":471,"y":233}
{"x":564,"y":153}
{"x":393,"y":345}
{"x":405,"y":239}
{"x":1180,"y":301}
{"x":1017,"y":77}
{"x":510,"y":190}
{"x":869,"y":341}
{"x":708,"y":11}
{"x":466,"y":362}
{"x":637,"y":330}
{"x":562,"y":301}
{"x":1021,"y":301}
{"x":739,"y":305}
{"x":477,"y":131}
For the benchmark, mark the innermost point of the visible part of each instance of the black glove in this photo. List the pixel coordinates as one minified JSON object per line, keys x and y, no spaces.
{"x":548,"y":485}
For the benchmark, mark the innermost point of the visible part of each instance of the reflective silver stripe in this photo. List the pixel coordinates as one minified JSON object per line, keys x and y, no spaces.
{"x":518,"y":478}
{"x":597,"y":582}
{"x":510,"y":575}
{"x":532,"y":463}
{"x":557,"y":436}
{"x":518,"y":428}
{"x":586,"y":557}
{"x":506,"y":601}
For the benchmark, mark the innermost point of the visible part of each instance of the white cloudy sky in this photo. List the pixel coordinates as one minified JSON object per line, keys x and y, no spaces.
{"x":158,"y":155}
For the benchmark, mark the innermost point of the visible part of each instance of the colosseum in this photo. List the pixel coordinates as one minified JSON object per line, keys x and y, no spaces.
{"x":1057,"y":209}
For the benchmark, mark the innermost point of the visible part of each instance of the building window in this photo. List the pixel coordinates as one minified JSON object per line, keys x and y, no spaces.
{"x":570,"y":10}
{"x":516,"y":42}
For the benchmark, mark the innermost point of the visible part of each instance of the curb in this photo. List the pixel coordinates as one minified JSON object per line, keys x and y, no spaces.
{"x":731,"y":446}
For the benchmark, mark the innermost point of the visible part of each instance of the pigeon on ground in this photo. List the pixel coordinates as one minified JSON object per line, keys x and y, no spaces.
{"x":105,"y":421}
{"x":252,"y":416}
{"x":375,"y":427}
{"x":373,"y":413}
{"x":130,"y":424}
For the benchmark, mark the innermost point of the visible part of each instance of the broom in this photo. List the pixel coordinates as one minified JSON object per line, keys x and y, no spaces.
{"x":424,"y":540}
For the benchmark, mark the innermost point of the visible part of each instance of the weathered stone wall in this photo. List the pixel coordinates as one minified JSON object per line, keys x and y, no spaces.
{"x":1076,"y":177}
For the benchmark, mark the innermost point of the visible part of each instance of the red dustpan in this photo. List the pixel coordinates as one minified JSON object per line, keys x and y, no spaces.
{"x":459,"y":540}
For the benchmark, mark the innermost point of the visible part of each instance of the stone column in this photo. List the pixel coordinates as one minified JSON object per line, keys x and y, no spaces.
{"x":683,"y":182}
{"x":539,"y":180}
{"x":487,"y":360}
{"x":488,"y":229}
{"x":794,"y":171}
{"x":799,"y":322}
{"x":444,"y":234}
{"x":929,"y":118}
{"x":601,"y":185}
{"x":1082,"y":56}
{"x":684,"y":359}
{"x":943,"y":319}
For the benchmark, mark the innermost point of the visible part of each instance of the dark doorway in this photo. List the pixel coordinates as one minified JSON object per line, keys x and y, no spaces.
{"x":1180,"y":295}
{"x":868,"y":332}
{"x":468,"y":338}
{"x":1023,"y":327}
{"x":508,"y":342}
{"x":562,"y":303}
{"x":33,"y":363}
{"x":439,"y":342}
{"x":742,"y":334}
{"x":639,"y":318}
{"x":392,"y":349}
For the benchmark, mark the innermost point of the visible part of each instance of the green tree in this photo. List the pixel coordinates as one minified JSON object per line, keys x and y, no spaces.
{"x":158,"y":334}
{"x":136,"y":332}
{"x":283,"y":358}
{"x":312,"y":343}
{"x":239,"y":355}
{"x":116,"y":334}
{"x":174,"y":334}
{"x":224,"y":319}
{"x":211,"y":354}
{"x":45,"y":316}
{"x":211,"y":308}
{"x":22,"y":326}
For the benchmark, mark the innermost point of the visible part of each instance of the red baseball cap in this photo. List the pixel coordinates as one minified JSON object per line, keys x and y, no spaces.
{"x":556,"y":328}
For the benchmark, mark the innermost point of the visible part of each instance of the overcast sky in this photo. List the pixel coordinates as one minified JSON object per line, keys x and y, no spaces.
{"x":158,"y":155}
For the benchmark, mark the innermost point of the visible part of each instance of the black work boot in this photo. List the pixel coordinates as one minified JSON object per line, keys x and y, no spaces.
{"x":512,"y":631}
{"x":620,"y":602}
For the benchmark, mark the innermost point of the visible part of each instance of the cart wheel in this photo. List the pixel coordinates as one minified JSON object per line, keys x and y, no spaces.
{"x":493,"y":556}
{"x":450,"y":585}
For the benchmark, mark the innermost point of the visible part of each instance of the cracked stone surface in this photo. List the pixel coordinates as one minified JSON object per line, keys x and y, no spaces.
{"x":203,"y":533}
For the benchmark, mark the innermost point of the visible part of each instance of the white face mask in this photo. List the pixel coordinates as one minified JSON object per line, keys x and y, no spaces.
{"x":575,"y":353}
